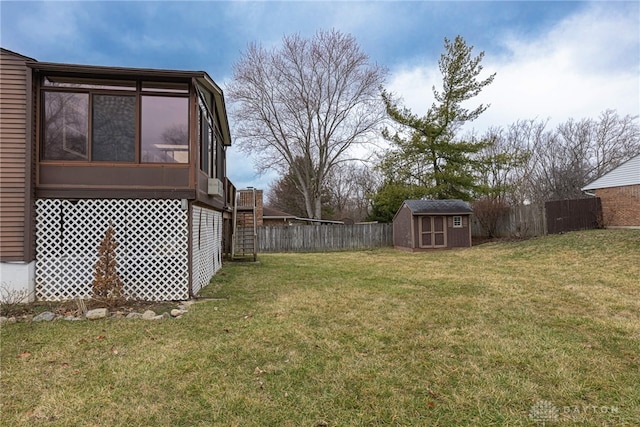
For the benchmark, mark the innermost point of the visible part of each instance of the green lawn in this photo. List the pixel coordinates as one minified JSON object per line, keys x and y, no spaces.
{"x":471,"y":337}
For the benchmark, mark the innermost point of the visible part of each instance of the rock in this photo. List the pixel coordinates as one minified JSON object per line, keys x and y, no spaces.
{"x":72,"y":318}
{"x":46,"y":316}
{"x":3,"y":319}
{"x":134,"y":315}
{"x":158,"y":317}
{"x":177,"y":312}
{"x":149,"y":315}
{"x":97,"y":313}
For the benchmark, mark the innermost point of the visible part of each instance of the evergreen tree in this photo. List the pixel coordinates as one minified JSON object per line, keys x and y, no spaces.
{"x":425,"y":151}
{"x":388,"y":199}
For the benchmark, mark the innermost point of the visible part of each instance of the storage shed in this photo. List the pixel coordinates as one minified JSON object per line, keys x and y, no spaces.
{"x":432,"y":224}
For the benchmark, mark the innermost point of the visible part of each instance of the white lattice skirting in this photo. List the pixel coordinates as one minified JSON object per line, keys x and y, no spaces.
{"x":206,"y":227}
{"x":152,"y":251}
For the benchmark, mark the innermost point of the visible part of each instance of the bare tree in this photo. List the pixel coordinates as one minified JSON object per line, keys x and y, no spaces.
{"x":616,"y":139}
{"x":559,"y":162}
{"x":311,"y":99}
{"x":582,"y":150}
{"x":351,"y":185}
{"x":285,"y":194}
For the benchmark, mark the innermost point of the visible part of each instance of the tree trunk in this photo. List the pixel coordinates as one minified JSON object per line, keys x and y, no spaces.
{"x":318,"y":207}
{"x":308,"y":203}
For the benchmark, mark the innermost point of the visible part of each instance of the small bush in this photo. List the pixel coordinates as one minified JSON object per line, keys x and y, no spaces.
{"x":10,"y":299}
{"x":489,"y":212}
{"x":107,"y":285}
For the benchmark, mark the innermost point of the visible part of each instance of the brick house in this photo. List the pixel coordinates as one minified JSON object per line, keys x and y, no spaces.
{"x":619,"y":191}
{"x":275,"y":217}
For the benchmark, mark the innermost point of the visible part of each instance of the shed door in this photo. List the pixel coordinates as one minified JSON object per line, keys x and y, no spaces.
{"x":433,"y":232}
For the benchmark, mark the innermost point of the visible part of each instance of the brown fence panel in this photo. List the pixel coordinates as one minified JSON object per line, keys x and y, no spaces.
{"x":520,"y":221}
{"x":310,"y":238}
{"x":572,"y":215}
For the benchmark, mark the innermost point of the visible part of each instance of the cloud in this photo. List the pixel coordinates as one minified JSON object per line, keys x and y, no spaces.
{"x":48,"y":22}
{"x":584,"y":64}
{"x":240,"y":169}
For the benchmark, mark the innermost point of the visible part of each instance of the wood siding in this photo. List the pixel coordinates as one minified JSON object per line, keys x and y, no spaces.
{"x":15,"y":159}
{"x":84,"y":176}
{"x":459,"y":237}
{"x":402,"y":230}
{"x":409,"y":231}
{"x":453,"y":238}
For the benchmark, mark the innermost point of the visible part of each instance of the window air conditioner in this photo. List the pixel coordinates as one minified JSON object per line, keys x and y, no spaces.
{"x":215,"y":187}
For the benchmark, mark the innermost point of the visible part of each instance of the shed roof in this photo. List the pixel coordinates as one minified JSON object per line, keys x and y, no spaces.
{"x":627,"y":173}
{"x":452,"y":206}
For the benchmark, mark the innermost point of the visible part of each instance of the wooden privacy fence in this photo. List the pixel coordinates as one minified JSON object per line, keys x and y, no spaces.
{"x":572,"y":215}
{"x":310,"y":238}
{"x":552,"y":217}
{"x":520,"y":221}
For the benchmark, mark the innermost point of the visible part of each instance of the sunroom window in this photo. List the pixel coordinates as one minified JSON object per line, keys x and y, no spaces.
{"x":66,"y":126}
{"x":115,"y":121}
{"x":165,"y":129}
{"x":114,"y":128}
{"x":208,"y":135}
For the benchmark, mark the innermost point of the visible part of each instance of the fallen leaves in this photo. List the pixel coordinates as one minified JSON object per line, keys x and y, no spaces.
{"x":259,"y":372}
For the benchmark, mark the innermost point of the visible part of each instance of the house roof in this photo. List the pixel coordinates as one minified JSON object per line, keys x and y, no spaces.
{"x":3,"y":50}
{"x":269,"y":212}
{"x":627,"y":173}
{"x":452,"y":206}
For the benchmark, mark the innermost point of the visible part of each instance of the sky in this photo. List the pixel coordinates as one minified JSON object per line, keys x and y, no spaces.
{"x":554,"y":60}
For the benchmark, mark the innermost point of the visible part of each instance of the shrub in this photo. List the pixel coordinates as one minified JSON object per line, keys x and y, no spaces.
{"x":107,"y":284}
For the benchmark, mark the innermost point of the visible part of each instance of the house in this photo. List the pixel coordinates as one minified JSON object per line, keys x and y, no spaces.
{"x":432,"y":224}
{"x":619,"y":192}
{"x":83,"y":147}
{"x":275,"y":217}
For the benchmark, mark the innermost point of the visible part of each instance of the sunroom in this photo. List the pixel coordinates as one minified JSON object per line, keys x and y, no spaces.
{"x":142,"y":151}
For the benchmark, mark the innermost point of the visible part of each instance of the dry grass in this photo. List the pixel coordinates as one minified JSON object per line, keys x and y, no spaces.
{"x":465,"y":337}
